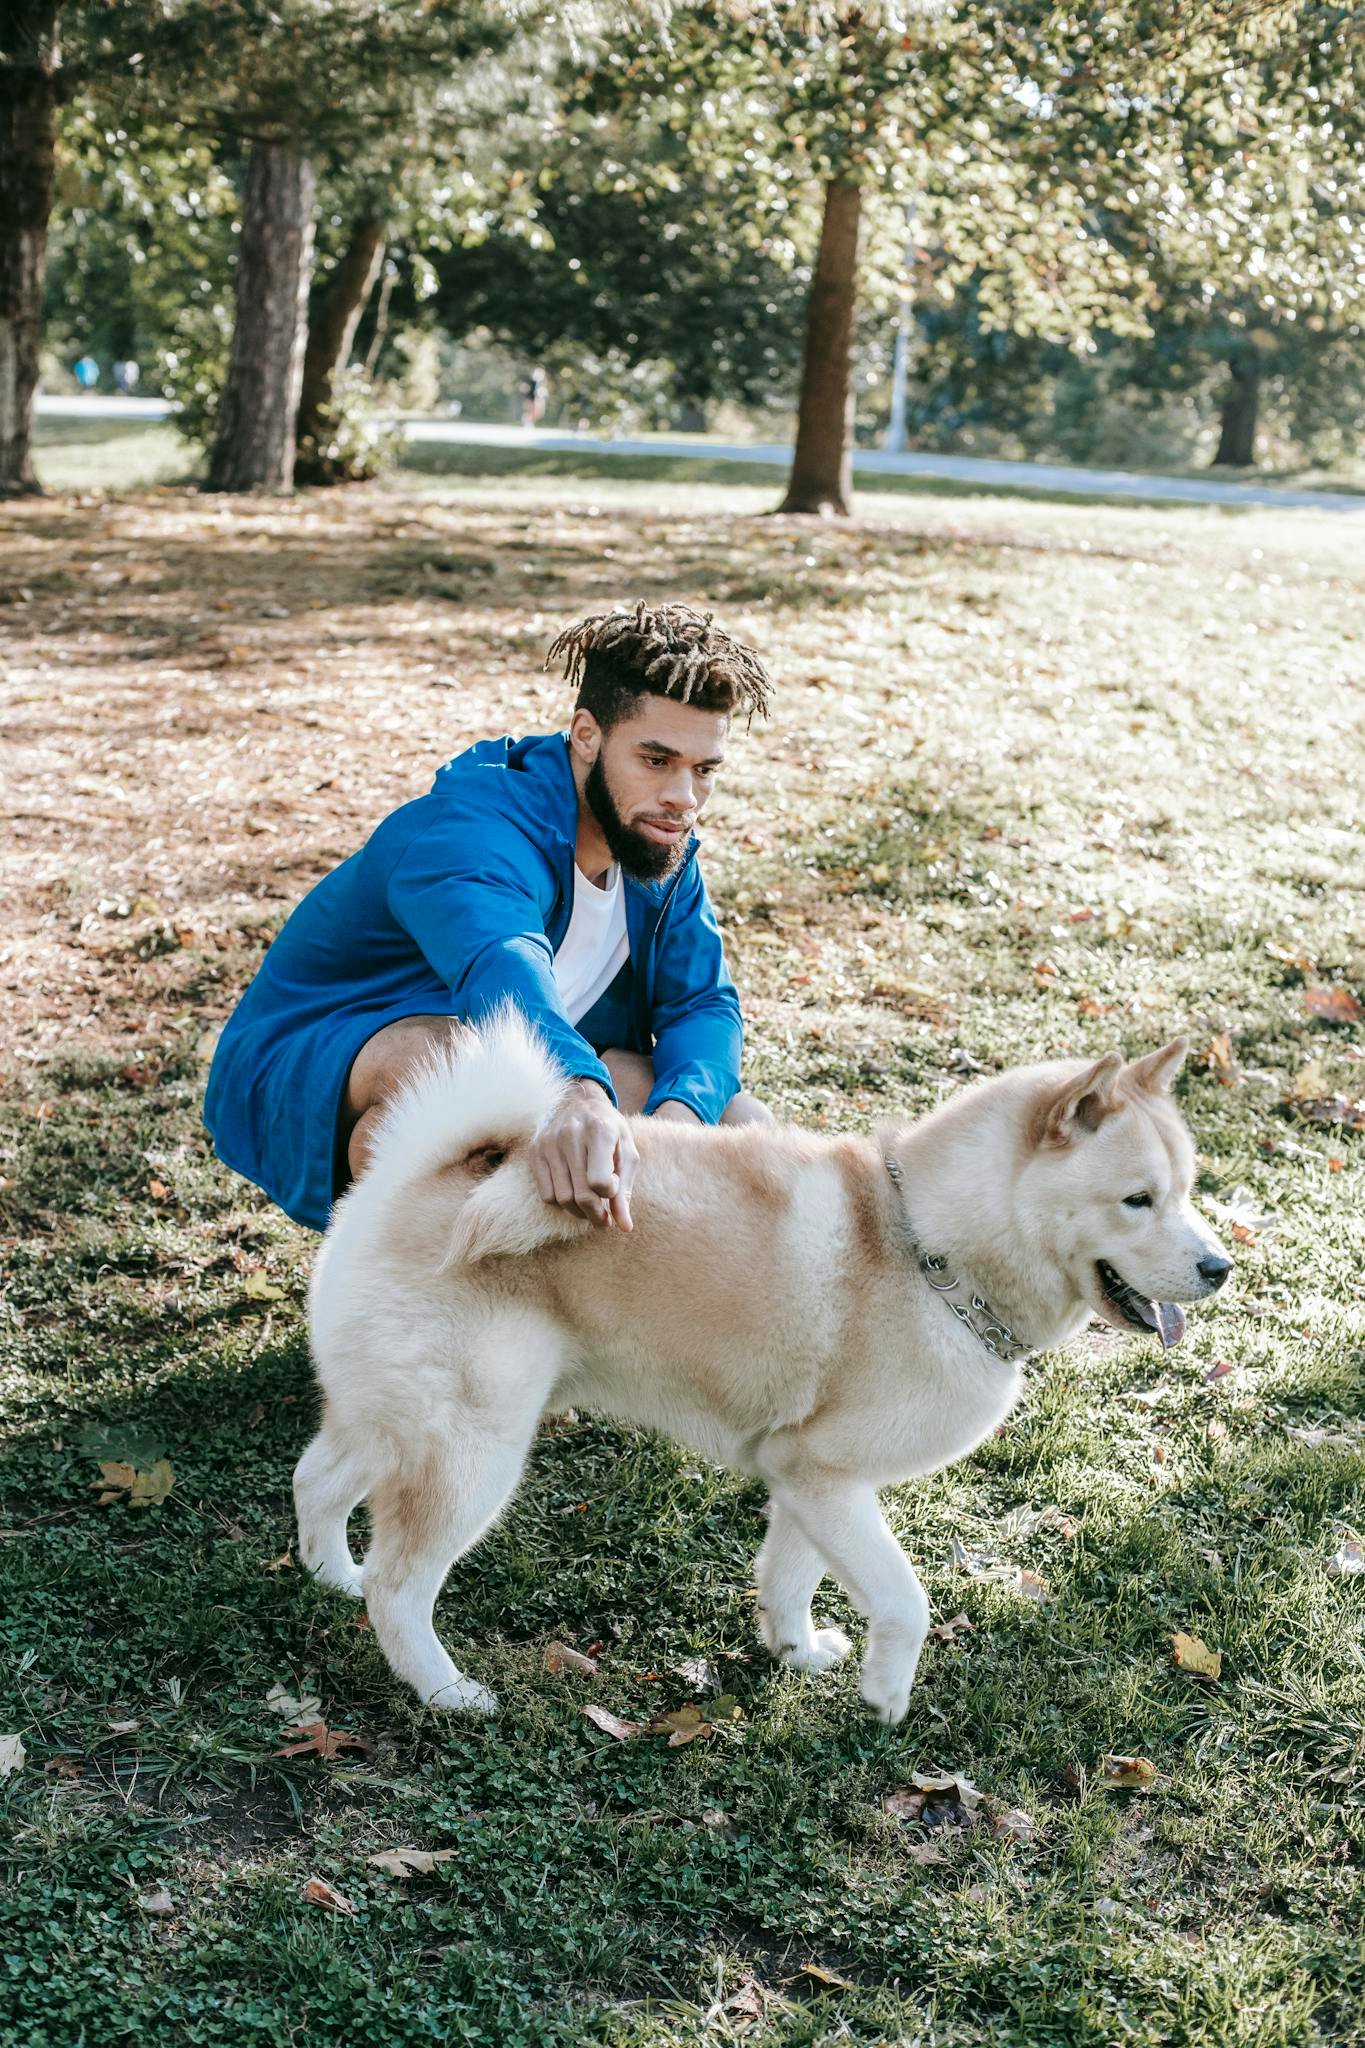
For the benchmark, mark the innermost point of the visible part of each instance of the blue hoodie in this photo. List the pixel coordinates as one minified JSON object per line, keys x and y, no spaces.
{"x":456,"y":901}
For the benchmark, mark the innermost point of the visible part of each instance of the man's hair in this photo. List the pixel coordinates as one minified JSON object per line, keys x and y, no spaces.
{"x":617,"y":657}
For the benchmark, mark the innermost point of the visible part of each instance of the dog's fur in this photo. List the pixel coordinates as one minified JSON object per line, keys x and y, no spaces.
{"x":767,"y":1309}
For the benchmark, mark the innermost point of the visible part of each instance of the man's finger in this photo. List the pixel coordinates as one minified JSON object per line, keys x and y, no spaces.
{"x":601,"y":1167}
{"x":620,"y":1211}
{"x":587,"y":1199}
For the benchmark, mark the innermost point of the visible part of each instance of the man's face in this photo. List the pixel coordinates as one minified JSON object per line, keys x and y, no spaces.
{"x":653,"y":773}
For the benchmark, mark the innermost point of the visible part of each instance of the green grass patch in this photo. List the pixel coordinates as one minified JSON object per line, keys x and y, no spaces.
{"x":1041,"y":780}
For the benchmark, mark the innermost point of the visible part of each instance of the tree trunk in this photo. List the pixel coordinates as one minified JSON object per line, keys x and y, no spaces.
{"x":253,"y":449}
{"x":1237,"y":424}
{"x":821,"y":479}
{"x":331,"y":332}
{"x":28,"y":127}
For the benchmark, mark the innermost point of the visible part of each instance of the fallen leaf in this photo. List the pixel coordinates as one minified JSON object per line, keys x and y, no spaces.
{"x":1309,"y":1081}
{"x":1030,"y":1587}
{"x":1326,"y":1109}
{"x":410,"y":1862}
{"x":1013,"y":1825}
{"x":283,"y":1563}
{"x":698,"y":1671}
{"x":1218,"y":1372}
{"x":925,"y":1853}
{"x":950,"y":1785}
{"x":1288,"y":956}
{"x":824,"y":1976}
{"x":612,"y":1724}
{"x":1346,"y":1563}
{"x":949,"y":1631}
{"x":1241,"y":1209}
{"x":158,"y":1190}
{"x":684,"y":1725}
{"x":159,"y":1903}
{"x":1192,"y":1654}
{"x":904,"y":1804}
{"x":1336,"y":1004}
{"x":123,"y":1481}
{"x":257,"y":1287}
{"x":289,"y":1708}
{"x":319,"y":1893}
{"x":559,"y":1657}
{"x":1217,"y":1056}
{"x":12,"y":1755}
{"x":1127,"y":1773}
{"x":124,"y":1727}
{"x":317,"y":1739}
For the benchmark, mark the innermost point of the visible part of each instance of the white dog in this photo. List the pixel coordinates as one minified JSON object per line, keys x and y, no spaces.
{"x":831,"y":1314}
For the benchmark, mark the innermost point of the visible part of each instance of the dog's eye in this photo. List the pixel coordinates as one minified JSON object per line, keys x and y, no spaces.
{"x":1137,"y":1201}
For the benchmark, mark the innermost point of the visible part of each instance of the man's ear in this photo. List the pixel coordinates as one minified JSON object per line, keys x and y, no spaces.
{"x":1080,"y":1105}
{"x":585,"y":735}
{"x":1155,"y":1072}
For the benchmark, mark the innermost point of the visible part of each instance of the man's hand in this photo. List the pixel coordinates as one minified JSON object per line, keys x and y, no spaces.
{"x":584,"y":1159}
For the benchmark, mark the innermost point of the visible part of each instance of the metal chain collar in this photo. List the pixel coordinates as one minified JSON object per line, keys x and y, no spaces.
{"x":966,"y":1304}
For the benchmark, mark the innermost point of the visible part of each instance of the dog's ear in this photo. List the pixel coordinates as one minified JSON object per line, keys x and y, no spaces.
{"x":1156,"y":1071}
{"x":1081,"y":1105}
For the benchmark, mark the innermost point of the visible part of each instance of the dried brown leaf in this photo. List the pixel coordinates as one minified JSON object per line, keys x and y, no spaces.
{"x":319,"y":1893}
{"x":612,"y":1724}
{"x":559,"y":1657}
{"x":1192,"y":1654}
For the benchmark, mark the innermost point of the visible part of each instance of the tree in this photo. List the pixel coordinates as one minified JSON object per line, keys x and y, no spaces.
{"x":28,"y":122}
{"x":1030,"y":137}
{"x":614,"y":248}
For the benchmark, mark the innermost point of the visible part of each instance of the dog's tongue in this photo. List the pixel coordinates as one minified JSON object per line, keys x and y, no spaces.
{"x":1167,"y":1318}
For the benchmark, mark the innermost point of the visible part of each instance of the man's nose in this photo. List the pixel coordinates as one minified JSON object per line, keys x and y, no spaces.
{"x":1214,"y":1270}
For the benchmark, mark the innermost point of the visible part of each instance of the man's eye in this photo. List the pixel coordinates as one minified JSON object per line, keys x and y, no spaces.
{"x":1137,"y":1201}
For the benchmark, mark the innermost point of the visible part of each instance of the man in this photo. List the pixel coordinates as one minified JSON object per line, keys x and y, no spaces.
{"x":558,"y":872}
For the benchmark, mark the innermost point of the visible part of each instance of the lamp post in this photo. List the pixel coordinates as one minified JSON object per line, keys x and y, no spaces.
{"x":905,"y":320}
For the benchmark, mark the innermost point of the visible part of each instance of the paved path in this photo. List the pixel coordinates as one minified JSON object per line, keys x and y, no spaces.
{"x":969,"y":469}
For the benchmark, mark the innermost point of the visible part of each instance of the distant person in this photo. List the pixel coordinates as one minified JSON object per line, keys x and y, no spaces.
{"x":87,"y":373}
{"x":534,"y":391}
{"x":126,"y":377}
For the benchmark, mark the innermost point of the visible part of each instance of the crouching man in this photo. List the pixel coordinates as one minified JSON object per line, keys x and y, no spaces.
{"x":559,"y":871}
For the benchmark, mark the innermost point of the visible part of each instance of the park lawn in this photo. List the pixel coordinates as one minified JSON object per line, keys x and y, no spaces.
{"x":1041,"y":780}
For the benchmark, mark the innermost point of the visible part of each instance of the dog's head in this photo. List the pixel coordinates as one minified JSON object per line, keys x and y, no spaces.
{"x":1107,"y":1177}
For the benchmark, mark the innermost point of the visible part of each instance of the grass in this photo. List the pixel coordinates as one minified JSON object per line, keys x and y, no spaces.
{"x":1042,"y":779}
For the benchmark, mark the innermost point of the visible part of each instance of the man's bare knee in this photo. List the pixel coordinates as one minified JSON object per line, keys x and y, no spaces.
{"x":385,"y":1060}
{"x":745,"y":1108}
{"x":360,"y":1143}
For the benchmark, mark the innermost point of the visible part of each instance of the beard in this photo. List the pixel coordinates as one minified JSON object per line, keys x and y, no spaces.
{"x":644,"y":860}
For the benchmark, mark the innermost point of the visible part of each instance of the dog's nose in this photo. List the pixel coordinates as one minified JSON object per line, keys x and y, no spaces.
{"x":1215,"y":1271}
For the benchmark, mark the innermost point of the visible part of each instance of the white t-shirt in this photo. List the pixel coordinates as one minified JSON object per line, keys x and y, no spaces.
{"x":595,"y":947}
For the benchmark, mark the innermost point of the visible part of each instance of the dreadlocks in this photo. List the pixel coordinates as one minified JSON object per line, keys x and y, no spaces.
{"x":619,"y":656}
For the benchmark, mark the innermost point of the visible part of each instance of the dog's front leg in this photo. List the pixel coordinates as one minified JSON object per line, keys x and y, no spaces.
{"x":843,"y":1521}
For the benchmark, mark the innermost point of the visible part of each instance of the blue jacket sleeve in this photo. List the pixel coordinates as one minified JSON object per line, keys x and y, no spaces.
{"x":475,"y":899}
{"x":698,"y":1034}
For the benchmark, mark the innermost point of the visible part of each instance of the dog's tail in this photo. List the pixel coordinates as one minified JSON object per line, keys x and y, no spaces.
{"x":468,"y":1116}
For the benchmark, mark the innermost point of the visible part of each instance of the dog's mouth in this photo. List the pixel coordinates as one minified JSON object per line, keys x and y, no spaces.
{"x":1128,"y":1306}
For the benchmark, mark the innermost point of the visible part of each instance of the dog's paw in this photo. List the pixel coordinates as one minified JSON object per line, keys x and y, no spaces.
{"x":825,"y":1648}
{"x":886,"y":1689}
{"x":464,"y":1696}
{"x":351,"y":1583}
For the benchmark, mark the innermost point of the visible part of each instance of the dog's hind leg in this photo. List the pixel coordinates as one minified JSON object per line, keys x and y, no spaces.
{"x":426,"y":1516}
{"x":789,"y":1569}
{"x":330,"y":1479}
